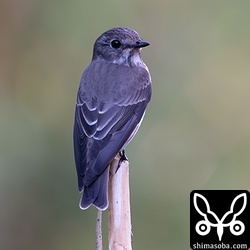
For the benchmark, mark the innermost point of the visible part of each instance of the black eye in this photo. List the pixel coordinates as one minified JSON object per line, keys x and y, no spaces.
{"x":116,"y":44}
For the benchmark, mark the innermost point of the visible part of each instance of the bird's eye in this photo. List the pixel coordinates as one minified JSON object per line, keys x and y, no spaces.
{"x":116,"y":44}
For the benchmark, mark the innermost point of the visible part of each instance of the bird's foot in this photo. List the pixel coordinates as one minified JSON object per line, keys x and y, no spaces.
{"x":123,"y":157}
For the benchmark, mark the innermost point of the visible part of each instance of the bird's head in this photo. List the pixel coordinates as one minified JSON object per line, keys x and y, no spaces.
{"x":119,"y":45}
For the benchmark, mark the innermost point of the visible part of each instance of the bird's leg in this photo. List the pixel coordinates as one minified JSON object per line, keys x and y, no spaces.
{"x":123,"y":157}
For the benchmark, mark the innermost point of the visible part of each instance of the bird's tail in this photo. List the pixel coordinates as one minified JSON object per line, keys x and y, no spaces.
{"x":97,"y":193}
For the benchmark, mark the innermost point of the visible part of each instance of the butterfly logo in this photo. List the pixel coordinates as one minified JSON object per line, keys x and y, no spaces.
{"x":203,"y":227}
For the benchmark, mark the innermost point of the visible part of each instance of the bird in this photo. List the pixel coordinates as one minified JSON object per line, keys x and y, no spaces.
{"x":113,"y":94}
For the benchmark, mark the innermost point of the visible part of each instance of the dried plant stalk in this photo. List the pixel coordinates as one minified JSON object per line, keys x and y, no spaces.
{"x":119,"y":218}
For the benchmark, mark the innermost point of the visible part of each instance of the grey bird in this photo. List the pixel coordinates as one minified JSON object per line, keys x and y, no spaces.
{"x":112,"y":98}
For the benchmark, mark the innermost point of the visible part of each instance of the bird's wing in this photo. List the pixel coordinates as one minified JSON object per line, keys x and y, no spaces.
{"x":102,"y":128}
{"x":96,"y":144}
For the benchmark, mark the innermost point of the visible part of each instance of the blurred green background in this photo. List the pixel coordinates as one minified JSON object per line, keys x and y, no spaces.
{"x":195,"y":135}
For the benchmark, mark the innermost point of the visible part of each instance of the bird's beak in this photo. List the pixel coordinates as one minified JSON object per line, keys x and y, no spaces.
{"x":140,"y":44}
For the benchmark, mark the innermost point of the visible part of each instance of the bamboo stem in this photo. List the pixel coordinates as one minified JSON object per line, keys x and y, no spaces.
{"x":119,"y":218}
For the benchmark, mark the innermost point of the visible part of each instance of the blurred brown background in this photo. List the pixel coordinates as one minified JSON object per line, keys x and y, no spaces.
{"x":196,"y":134}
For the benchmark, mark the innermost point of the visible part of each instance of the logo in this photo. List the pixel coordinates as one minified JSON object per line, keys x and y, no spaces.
{"x":220,"y":219}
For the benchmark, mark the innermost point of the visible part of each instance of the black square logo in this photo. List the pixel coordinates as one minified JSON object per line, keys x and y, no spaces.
{"x":219,"y":219}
